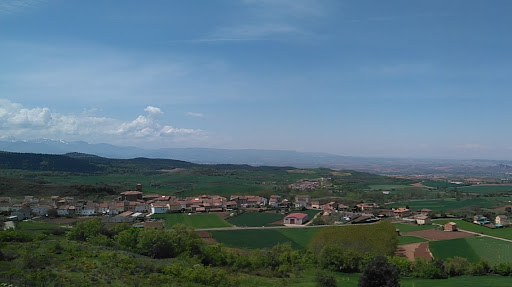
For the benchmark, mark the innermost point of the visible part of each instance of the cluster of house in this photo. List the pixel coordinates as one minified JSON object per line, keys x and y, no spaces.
{"x":308,"y":184}
{"x":136,"y":204}
{"x":499,"y":221}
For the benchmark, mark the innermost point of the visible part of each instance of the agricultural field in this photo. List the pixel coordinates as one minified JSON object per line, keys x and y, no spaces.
{"x":451,"y":203}
{"x":194,"y":220}
{"x":474,"y":249}
{"x":498,"y":232}
{"x":404,"y":227}
{"x":265,"y":238}
{"x":487,"y":188}
{"x":388,"y":186}
{"x":256,"y":219}
{"x":402,"y":240}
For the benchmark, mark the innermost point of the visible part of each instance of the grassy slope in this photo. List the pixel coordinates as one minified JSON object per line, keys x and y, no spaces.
{"x":253,"y":239}
{"x":195,"y":220}
{"x":473,"y":249}
{"x":255,"y":219}
{"x":454,"y":247}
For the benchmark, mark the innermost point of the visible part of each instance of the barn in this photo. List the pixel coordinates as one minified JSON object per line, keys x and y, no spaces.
{"x":450,"y":226}
{"x":296,"y":218}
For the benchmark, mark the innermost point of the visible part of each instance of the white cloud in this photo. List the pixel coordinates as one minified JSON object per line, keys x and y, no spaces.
{"x":153,"y":111}
{"x":197,"y":115}
{"x":41,"y":122}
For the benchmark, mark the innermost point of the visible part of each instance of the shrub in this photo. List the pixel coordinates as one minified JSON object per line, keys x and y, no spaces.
{"x":325,"y":279}
{"x":379,"y":273}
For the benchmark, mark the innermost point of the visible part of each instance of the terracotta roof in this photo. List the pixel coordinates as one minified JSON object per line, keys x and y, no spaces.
{"x":296,"y":215}
{"x":131,"y":192}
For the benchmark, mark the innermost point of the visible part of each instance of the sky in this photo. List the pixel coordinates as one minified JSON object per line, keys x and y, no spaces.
{"x":422,"y":79}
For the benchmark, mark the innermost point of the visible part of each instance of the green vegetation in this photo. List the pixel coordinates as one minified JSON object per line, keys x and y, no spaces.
{"x":499,"y":188}
{"x":388,"y":186}
{"x":402,"y":240}
{"x":451,"y":203}
{"x":473,"y":249}
{"x":454,"y":247}
{"x":256,"y":219}
{"x":194,"y":220}
{"x":299,"y":238}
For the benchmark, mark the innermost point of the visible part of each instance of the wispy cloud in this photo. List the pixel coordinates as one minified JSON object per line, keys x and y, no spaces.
{"x":27,"y":123}
{"x":271,"y":20}
{"x":197,"y":115}
{"x":16,"y":6}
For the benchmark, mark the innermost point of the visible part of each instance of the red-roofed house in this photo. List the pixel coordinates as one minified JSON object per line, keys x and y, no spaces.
{"x":296,"y":218}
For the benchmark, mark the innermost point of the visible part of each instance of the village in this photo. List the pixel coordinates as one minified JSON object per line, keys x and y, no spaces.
{"x":134,"y":207}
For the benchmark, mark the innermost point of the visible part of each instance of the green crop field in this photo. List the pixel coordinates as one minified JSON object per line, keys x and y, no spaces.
{"x":388,"y":186}
{"x":256,"y":219}
{"x":451,"y":203}
{"x":404,"y":227}
{"x":194,"y":220}
{"x":487,"y":188}
{"x":473,"y":249}
{"x":402,"y":240}
{"x":265,"y":238}
{"x":454,"y":247}
{"x":498,"y":232}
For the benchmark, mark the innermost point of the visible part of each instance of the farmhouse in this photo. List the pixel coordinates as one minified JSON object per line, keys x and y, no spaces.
{"x":423,"y":220}
{"x":501,"y":220}
{"x":450,"y":226}
{"x":302,"y":201}
{"x":296,"y":218}
{"x":402,"y":212}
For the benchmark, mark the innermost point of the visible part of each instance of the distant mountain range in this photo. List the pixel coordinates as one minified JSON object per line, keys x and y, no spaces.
{"x":255,"y":157}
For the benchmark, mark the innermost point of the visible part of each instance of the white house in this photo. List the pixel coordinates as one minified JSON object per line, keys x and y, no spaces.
{"x":159,"y":207}
{"x":296,"y":218}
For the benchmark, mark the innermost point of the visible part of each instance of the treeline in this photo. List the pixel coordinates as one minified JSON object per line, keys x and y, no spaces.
{"x":45,"y":162}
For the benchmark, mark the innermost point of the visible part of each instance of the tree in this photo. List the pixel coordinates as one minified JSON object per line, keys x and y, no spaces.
{"x":325,"y":279}
{"x":379,"y":273}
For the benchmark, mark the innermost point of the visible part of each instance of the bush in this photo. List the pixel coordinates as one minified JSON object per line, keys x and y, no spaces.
{"x":456,"y":266}
{"x":12,"y":235}
{"x":325,"y":279}
{"x":379,"y":273}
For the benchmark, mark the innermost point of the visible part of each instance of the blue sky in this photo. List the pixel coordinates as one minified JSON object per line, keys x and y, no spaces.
{"x":363,"y":78}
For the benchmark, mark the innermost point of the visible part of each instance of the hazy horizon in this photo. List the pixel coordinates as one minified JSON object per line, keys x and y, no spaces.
{"x":375,"y":79}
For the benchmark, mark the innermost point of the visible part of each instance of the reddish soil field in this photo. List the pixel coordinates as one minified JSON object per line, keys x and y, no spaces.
{"x":414,"y":250}
{"x":436,"y":234}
